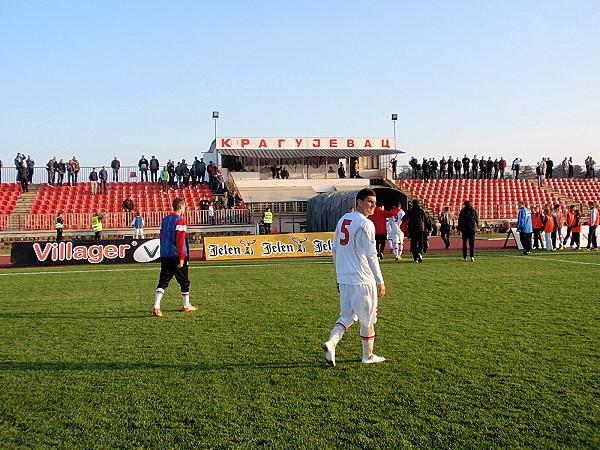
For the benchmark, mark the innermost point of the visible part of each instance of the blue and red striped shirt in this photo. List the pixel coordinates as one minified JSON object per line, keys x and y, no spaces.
{"x":172,"y":237}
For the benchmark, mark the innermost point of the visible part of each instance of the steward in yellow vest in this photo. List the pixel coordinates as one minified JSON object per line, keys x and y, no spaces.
{"x":267,"y":220}
{"x":97,"y":225}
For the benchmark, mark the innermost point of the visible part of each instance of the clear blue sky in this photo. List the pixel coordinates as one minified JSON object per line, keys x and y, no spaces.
{"x":496,"y":78}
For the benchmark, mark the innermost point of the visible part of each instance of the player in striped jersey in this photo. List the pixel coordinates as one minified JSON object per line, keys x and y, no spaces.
{"x":359,"y":277}
{"x":174,"y":255}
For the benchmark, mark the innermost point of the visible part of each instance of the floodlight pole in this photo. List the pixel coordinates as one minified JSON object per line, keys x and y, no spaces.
{"x":215,"y":116}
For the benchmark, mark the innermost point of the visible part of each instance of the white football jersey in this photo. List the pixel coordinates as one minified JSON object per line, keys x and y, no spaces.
{"x":354,"y":252}
{"x":394,"y":222}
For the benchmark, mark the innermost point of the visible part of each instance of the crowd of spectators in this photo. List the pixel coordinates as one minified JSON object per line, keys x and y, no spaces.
{"x":488,"y":168}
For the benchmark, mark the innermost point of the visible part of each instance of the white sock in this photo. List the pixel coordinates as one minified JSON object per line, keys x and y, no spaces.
{"x":367,"y":334}
{"x":336,"y":334}
{"x":158,"y":297}
{"x":186,"y":299}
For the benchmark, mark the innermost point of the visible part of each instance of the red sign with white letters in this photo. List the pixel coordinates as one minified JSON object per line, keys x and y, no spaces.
{"x":304,"y":143}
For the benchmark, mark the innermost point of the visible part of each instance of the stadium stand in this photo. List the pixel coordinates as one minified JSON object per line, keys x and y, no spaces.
{"x":493,"y":199}
{"x":9,"y":195}
{"x":579,"y":190}
{"x":145,"y":196}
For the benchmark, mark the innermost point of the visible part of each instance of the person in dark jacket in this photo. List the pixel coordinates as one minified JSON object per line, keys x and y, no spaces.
{"x":468,"y":221}
{"x":419,"y":227}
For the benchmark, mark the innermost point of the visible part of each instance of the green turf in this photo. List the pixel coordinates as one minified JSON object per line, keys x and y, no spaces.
{"x":500,"y":353}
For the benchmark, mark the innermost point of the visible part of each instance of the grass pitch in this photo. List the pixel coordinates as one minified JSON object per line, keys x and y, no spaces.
{"x":499,"y":353}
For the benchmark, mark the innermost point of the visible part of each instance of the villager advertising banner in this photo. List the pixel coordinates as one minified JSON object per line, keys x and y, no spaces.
{"x":296,"y":245}
{"x":84,"y":252}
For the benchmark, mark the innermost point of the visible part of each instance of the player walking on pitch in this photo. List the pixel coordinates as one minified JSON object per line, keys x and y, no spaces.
{"x":173,"y":256}
{"x":359,"y":277}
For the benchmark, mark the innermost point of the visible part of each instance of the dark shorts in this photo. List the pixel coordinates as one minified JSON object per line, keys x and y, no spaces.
{"x":169,"y":269}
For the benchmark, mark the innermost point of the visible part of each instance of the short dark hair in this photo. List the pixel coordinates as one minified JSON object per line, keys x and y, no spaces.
{"x":177,"y":203}
{"x":364,"y":193}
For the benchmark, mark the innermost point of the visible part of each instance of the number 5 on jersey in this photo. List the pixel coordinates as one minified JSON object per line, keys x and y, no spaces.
{"x":346,"y":233}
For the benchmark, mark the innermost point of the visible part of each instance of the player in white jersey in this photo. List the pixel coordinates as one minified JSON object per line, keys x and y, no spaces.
{"x":358,"y":276}
{"x":395,"y":234}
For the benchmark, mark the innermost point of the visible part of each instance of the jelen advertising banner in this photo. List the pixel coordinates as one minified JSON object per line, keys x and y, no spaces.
{"x":296,"y":245}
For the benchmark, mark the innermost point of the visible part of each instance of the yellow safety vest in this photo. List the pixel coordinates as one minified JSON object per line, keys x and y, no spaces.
{"x":268,"y":217}
{"x":57,"y":224}
{"x":96,"y":223}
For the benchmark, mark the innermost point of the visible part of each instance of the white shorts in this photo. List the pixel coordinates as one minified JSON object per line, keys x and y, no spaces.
{"x":358,"y":302}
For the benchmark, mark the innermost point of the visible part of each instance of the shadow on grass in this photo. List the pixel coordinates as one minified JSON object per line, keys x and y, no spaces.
{"x":101,"y":366}
{"x":75,"y":315}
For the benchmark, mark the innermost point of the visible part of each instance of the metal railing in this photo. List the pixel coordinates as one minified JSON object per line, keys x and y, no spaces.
{"x":277,"y":207}
{"x":40,"y":174}
{"x":83,"y":221}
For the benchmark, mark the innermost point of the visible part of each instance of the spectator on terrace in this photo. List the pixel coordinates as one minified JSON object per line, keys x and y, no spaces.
{"x":516,"y":166}
{"x":425,"y":169}
{"x":570,"y":175}
{"x":413,"y":163}
{"x":30,"y":164}
{"x":565,"y":167}
{"x":70,"y":173}
{"x":219,"y":182}
{"x":502,"y":167}
{"x":115,"y":165}
{"x":433,"y":167}
{"x":164,"y":179}
{"x":450,"y":168}
{"x":496,"y":168}
{"x":128,"y":207}
{"x":179,"y":174}
{"x":212,"y":171}
{"x":23,"y":174}
{"x":186,"y":175}
{"x":94,"y":181}
{"x":61,"y":169}
{"x":1,"y":166}
{"x":103,"y":176}
{"x":285,"y":175}
{"x":143,"y":165}
{"x":475,"y":167}
{"x":18,"y":160}
{"x":443,"y":168}
{"x":194,"y":174}
{"x":76,"y":168}
{"x":549,"y":167}
{"x":154,"y":166}
{"x":171,"y":170}
{"x":394,"y":165}
{"x":591,"y":165}
{"x":457,"y":167}
{"x":539,"y":174}
{"x":482,"y":167}
{"x":201,"y":171}
{"x":466,"y":167}
{"x":490,"y":167}
{"x":51,"y":169}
